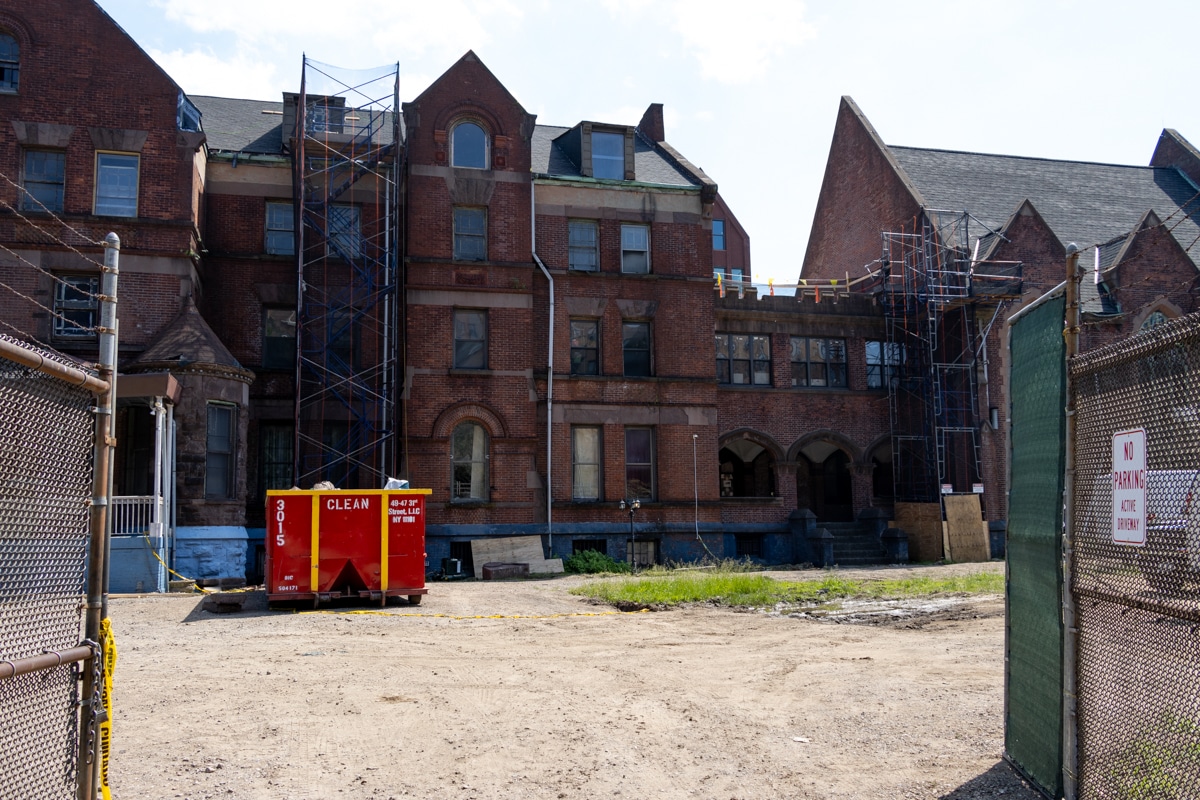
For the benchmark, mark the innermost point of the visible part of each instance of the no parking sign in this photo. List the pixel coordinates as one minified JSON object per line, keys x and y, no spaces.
{"x":1129,"y":487}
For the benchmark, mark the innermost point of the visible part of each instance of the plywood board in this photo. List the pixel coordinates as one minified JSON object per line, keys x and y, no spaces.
{"x":967,"y":538}
{"x":513,"y":550}
{"x":923,"y":524}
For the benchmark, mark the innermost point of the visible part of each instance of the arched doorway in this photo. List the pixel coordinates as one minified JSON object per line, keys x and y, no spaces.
{"x":883,"y":484}
{"x":747,"y":469}
{"x":824,"y":483}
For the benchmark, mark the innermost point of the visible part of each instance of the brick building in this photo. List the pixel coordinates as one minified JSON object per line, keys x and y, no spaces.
{"x":527,"y":312}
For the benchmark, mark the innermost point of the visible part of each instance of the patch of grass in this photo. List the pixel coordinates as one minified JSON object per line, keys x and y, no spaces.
{"x":593,"y":562}
{"x":741,"y":589}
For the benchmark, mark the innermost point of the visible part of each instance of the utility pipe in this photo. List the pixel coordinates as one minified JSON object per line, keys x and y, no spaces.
{"x":48,"y":660}
{"x":66,"y":374}
{"x":549,"y":365}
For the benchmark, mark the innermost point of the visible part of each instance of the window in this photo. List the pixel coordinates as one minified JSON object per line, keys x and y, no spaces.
{"x":470,"y":234}
{"x":336,"y":465}
{"x":748,"y":545}
{"x":324,"y":118}
{"x":608,"y":155}
{"x":116,"y":184}
{"x":585,"y":463}
{"x":582,"y":253}
{"x":279,"y":338}
{"x":344,"y":236}
{"x":469,"y":463}
{"x":743,"y":359}
{"x":44,"y":181}
{"x":187,"y":116}
{"x":470,"y":339}
{"x":635,"y":249}
{"x":1151,"y":322}
{"x":275,"y":460}
{"x":883,"y":363}
{"x":818,"y":362}
{"x":219,"y":451}
{"x":639,"y":463}
{"x":75,"y":306}
{"x":635,"y":343}
{"x":281,"y":230}
{"x":468,"y":146}
{"x":718,"y":234}
{"x":585,"y":347}
{"x":10,"y":63}
{"x":343,"y":348}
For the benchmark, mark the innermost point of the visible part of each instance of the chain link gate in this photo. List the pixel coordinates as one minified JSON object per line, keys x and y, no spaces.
{"x":1138,"y":607}
{"x":46,"y":465}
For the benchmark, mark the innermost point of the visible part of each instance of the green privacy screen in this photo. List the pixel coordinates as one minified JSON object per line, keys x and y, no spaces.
{"x":1033,"y":680}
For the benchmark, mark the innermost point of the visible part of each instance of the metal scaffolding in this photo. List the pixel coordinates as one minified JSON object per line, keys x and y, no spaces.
{"x":347,"y":172}
{"x":939,"y":301}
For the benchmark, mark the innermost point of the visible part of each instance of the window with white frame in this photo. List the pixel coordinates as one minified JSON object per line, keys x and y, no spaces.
{"x":585,"y":462}
{"x":117,"y":184}
{"x":582,"y":251}
{"x":220,"y":447}
{"x":635,"y":249}
{"x":585,"y":347}
{"x":469,"y":146}
{"x":883,"y":363}
{"x":470,"y":233}
{"x":635,"y":346}
{"x":281,"y":229}
{"x":608,"y":155}
{"x":818,"y":362}
{"x":470,"y":339}
{"x":743,"y":359}
{"x":469,"y":463}
{"x":344,"y":235}
{"x":75,"y":306}
{"x":639,"y":463}
{"x":10,"y":63}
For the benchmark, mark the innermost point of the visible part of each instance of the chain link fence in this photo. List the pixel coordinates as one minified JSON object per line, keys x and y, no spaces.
{"x":1138,"y":605}
{"x":46,"y":438}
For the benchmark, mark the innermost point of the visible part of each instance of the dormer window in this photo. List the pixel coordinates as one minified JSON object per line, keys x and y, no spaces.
{"x":468,"y":146}
{"x":608,"y":155}
{"x":10,"y":63}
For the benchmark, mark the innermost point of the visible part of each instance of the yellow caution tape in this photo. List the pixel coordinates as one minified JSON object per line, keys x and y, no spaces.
{"x":150,"y":544}
{"x":108,"y":645}
{"x":485,"y":616}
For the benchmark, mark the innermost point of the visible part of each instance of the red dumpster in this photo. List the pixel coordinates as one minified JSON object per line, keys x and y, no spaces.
{"x":325,"y":545}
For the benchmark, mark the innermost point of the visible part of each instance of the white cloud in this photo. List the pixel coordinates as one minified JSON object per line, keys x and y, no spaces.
{"x":737,"y":44}
{"x":204,"y":72}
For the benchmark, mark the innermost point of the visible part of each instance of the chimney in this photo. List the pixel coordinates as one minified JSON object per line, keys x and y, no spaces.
{"x":651,"y":125}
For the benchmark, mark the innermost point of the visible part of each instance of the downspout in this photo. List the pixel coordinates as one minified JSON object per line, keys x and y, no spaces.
{"x":549,"y":364}
{"x":1070,"y":722}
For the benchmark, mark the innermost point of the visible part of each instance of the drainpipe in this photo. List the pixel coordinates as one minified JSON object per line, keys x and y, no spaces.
{"x":156,"y":510}
{"x":549,"y":364}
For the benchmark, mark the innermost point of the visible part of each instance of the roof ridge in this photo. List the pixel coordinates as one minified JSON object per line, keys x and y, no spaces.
{"x":1021,"y":158}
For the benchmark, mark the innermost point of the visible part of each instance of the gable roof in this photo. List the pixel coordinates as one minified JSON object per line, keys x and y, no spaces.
{"x":241,"y":126}
{"x":1082,"y":202}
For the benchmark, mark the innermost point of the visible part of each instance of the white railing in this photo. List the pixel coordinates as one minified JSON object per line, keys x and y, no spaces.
{"x":132,"y":515}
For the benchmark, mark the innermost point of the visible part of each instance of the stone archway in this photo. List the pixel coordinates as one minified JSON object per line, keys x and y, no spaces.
{"x":824,"y":482}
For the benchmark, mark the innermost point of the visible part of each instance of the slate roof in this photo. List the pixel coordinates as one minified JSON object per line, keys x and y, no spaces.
{"x":188,"y":341}
{"x":1082,"y":202}
{"x":240,"y":126}
{"x":650,"y":164}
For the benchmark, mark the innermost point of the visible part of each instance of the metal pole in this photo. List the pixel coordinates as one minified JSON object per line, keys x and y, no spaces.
{"x":86,"y":771}
{"x":696,"y":485}
{"x":1070,"y":723}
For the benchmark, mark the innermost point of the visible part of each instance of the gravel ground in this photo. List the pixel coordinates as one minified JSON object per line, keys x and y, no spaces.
{"x":520,"y":689}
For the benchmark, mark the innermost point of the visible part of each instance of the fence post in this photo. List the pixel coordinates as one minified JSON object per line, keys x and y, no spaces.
{"x":87,"y":760}
{"x":1069,"y":731}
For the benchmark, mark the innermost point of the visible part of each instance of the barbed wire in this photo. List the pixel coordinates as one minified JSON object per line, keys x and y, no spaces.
{"x":52,"y":215}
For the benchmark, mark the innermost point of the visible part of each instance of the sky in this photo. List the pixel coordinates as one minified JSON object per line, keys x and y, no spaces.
{"x":750,"y":88}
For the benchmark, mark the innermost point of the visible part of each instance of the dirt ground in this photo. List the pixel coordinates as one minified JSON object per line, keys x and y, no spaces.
{"x":519,"y":689}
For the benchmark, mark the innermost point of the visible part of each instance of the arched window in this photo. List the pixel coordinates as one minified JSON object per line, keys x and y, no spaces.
{"x":469,"y":463}
{"x":10,"y":63}
{"x":1155,"y":319}
{"x":469,"y":146}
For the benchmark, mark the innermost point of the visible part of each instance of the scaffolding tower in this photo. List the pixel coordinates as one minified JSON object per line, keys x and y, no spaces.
{"x":939,"y":303}
{"x":347,"y":166}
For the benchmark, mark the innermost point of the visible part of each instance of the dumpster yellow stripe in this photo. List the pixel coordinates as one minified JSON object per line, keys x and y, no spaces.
{"x":383,"y":543}
{"x":485,"y":616}
{"x":316,"y":541}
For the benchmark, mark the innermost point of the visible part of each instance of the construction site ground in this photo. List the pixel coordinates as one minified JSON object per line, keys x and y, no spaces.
{"x":520,"y":689}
